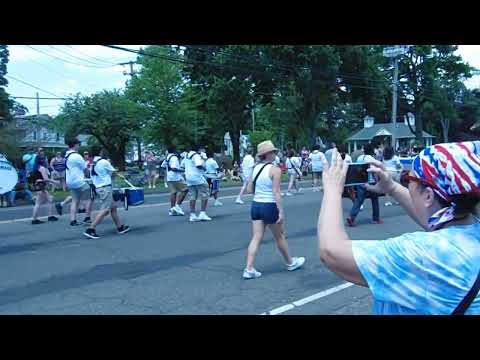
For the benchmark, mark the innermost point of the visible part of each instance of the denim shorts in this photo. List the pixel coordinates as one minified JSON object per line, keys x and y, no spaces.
{"x":267,"y":212}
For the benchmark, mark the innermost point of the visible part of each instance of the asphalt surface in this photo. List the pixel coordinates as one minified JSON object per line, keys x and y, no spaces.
{"x":167,"y":265}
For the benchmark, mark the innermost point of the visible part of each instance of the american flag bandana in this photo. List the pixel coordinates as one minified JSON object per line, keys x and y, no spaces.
{"x":454,"y":168}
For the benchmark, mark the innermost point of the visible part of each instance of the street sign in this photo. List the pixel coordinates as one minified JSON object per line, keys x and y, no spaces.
{"x":395,"y":51}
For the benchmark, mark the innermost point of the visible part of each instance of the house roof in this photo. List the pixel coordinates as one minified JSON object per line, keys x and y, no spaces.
{"x":402,"y":131}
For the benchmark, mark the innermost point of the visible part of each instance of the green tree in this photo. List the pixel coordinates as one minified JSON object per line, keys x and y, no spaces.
{"x":108,"y":116}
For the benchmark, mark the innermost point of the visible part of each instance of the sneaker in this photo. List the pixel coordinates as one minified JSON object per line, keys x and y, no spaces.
{"x":123,"y":229}
{"x":87,"y":221}
{"x":388,"y":203}
{"x":289,"y":194}
{"x":299,"y":190}
{"x":239,"y":201}
{"x":91,"y":233}
{"x":172,"y":212}
{"x":217,"y":203}
{"x":378,"y":222}
{"x":252,"y":274}
{"x":204,"y":217}
{"x":361,"y":208}
{"x":82,"y":211}
{"x":297,"y":263}
{"x":193,"y":218}
{"x":283,"y":194}
{"x":75,"y":223}
{"x":350,"y":222}
{"x":36,"y":222}
{"x":59,"y":208}
{"x":52,"y":218}
{"x":179,"y":210}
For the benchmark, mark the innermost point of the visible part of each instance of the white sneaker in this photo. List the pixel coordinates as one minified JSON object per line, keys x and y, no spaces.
{"x":289,"y":194}
{"x":172,"y":212}
{"x":179,"y":210}
{"x":193,"y":218}
{"x":204,"y":217}
{"x":217,"y":203}
{"x":252,"y":274}
{"x":361,"y":208}
{"x":388,"y":203}
{"x":299,"y":190}
{"x":283,"y":194}
{"x":297,"y":263}
{"x":239,"y":201}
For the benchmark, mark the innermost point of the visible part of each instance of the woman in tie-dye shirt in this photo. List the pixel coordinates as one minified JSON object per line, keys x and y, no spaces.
{"x":417,"y":273}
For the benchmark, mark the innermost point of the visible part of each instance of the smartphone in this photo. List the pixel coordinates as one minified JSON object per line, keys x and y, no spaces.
{"x":357,"y":174}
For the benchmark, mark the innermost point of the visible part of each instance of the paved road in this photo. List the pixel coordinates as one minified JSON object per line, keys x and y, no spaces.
{"x":169,"y":266}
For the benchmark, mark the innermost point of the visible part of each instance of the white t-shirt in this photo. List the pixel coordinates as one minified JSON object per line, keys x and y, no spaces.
{"x":75,"y":176}
{"x":103,"y":170}
{"x":365,"y":158}
{"x":212,"y":168}
{"x":247,"y":166}
{"x":393,"y":164}
{"x":348,"y":159}
{"x":294,"y":163}
{"x":316,"y":160}
{"x":193,"y":174}
{"x":276,"y":162}
{"x":173,"y":163}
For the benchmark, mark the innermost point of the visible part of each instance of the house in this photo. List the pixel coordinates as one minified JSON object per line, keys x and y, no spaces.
{"x":36,"y":131}
{"x":384,"y":132}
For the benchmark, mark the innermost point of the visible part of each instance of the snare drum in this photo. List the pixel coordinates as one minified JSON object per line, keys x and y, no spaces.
{"x":8,"y":176}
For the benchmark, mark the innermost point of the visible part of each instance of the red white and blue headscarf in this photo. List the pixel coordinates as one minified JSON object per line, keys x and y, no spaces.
{"x":449,"y":169}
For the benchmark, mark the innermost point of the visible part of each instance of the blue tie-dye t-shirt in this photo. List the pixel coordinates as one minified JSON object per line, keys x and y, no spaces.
{"x":421,"y":273}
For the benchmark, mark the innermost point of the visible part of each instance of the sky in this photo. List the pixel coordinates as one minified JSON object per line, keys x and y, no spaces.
{"x":63,"y":70}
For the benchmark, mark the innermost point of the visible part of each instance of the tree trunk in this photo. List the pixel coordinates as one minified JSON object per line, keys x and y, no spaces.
{"x":445,"y":128}
{"x":139,"y":151}
{"x":418,"y":124}
{"x":118,"y":156}
{"x":235,"y":138}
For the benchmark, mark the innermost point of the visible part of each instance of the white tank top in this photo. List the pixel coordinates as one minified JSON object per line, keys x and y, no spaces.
{"x":264,"y":184}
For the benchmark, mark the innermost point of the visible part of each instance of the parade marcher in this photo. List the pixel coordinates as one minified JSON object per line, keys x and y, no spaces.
{"x":213,"y":176}
{"x":58,"y":165}
{"x":294,"y":173}
{"x":197,"y":184}
{"x":29,"y":160}
{"x":76,"y":182}
{"x":39,"y":179}
{"x":101,"y":175}
{"x":361,"y":192}
{"x":432,"y":272}
{"x":247,"y":168}
{"x":175,"y":181}
{"x":394,"y":167}
{"x":305,"y":161}
{"x":317,"y":167}
{"x":267,"y":210}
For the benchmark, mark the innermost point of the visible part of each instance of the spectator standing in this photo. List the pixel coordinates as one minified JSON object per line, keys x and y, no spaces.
{"x":317,"y":167}
{"x":151,"y":162}
{"x":58,"y":174}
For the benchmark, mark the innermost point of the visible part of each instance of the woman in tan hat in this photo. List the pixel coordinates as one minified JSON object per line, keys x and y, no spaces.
{"x":267,"y":209}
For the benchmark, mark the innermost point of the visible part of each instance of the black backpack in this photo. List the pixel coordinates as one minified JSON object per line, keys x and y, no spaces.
{"x":33,"y":183}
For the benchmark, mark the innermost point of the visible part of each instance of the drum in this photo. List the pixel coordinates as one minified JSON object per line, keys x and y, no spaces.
{"x":8,"y":176}
{"x":135,"y":196}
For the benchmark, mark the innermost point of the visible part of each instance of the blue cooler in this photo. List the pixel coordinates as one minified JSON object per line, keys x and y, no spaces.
{"x":135,"y":196}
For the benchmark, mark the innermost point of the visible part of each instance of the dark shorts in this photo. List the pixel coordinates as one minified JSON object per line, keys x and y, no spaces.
{"x":267,"y":212}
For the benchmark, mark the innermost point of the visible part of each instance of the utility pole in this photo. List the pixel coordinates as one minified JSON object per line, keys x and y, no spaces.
{"x":253,"y":115}
{"x":395,"y":52}
{"x":132,"y":72}
{"x":38,"y":104}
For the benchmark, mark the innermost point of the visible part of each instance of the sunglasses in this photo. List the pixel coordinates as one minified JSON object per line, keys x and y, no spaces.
{"x":406,"y":178}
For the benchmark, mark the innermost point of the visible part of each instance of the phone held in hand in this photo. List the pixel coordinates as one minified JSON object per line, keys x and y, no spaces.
{"x":357,"y":174}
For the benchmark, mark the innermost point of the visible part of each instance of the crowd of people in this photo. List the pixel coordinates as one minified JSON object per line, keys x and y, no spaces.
{"x":432,"y":272}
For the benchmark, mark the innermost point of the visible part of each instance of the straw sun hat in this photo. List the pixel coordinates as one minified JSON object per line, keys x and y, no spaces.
{"x":265,"y":147}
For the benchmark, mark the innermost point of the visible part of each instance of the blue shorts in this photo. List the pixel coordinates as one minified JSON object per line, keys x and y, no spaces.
{"x":267,"y":212}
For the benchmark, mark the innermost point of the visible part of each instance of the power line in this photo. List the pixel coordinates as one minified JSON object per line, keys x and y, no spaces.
{"x":33,"y":86}
{"x":91,"y":57}
{"x":63,"y":60}
{"x":78,"y":58}
{"x":40,"y":98}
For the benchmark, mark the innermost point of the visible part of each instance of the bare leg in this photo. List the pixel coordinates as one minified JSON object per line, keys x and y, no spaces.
{"x":279,"y":235}
{"x":181,"y":197}
{"x":204,"y":204}
{"x":173,"y":200}
{"x":66,"y":201}
{"x":38,"y":202}
{"x":242,"y":190}
{"x":290,"y":183}
{"x":115,"y":217}
{"x":192,"y":206}
{"x":258,"y":229}
{"x":99,"y":218}
{"x":74,"y":209}
{"x":50,"y":204}
{"x":88,"y":208}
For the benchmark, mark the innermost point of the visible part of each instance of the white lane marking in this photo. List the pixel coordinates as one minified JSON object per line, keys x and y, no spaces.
{"x":2,"y":222}
{"x":309,"y":299}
